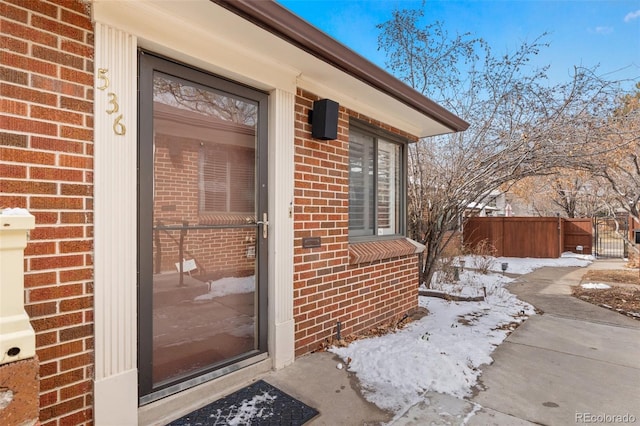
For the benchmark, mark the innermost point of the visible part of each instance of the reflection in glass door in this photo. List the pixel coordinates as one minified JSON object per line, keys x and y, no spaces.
{"x":202,"y":248}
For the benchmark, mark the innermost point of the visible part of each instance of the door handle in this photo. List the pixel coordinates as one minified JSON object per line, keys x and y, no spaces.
{"x":265,"y":225}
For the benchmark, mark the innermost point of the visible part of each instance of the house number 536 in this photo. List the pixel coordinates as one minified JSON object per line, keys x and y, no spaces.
{"x":113,"y":106}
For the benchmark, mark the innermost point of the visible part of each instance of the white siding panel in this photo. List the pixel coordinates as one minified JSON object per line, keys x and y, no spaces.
{"x":115,"y":232}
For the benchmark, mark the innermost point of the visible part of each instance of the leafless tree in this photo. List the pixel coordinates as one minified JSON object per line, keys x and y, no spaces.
{"x":567,"y":192}
{"x":618,"y":165}
{"x":620,"y":168}
{"x":520,"y":126}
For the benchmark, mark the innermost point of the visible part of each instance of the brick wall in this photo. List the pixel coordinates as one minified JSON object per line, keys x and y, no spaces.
{"x":328,"y":285}
{"x":46,"y":163}
{"x":19,"y":392}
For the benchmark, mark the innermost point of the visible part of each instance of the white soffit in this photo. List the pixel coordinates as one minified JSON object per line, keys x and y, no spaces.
{"x":203,"y":34}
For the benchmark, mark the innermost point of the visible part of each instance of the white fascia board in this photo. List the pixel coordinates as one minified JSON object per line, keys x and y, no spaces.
{"x":202,"y":34}
{"x":205,"y":35}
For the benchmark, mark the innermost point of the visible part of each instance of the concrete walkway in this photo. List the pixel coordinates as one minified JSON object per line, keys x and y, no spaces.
{"x":335,"y":393}
{"x":574,"y":363}
{"x":569,"y":364}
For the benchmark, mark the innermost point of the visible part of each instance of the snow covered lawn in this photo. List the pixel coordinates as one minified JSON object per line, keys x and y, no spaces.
{"x":443,"y":351}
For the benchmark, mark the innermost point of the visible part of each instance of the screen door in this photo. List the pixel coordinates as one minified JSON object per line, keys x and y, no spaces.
{"x":203,"y":226}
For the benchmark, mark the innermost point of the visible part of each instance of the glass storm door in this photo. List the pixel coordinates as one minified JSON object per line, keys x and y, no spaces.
{"x":203,"y":227}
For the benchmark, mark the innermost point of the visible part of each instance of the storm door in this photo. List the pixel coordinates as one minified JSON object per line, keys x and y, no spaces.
{"x":203,"y":227}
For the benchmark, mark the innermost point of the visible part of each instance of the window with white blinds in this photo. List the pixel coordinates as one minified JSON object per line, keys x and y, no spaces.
{"x":375,"y":185}
{"x":388,"y":187}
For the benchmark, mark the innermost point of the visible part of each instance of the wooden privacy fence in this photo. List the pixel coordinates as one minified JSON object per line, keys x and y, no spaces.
{"x":542,"y":237}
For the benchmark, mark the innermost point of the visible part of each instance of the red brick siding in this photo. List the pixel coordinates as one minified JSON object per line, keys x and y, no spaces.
{"x":327,"y":288}
{"x":46,"y":163}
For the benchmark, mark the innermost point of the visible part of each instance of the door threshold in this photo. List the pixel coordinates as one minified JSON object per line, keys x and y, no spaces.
{"x":170,"y":408}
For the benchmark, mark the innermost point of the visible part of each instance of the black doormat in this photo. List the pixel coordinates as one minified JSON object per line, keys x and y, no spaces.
{"x":258,"y":404}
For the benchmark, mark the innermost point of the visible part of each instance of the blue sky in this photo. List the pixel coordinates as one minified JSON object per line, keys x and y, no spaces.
{"x":582,"y":32}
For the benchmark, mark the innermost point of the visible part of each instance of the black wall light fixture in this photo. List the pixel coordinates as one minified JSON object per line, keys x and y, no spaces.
{"x":324,"y":119}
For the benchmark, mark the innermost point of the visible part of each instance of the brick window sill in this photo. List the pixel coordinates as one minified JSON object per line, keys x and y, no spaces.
{"x":372,"y":251}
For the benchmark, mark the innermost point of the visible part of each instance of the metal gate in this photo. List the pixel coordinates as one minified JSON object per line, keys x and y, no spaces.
{"x":609,"y":235}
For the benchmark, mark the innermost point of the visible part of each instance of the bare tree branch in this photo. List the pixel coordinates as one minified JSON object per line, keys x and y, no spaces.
{"x":520,"y":126}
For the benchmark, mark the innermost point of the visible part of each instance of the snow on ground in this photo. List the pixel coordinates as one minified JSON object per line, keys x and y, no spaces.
{"x":528,"y":264}
{"x":471,"y":284}
{"x":597,"y":286}
{"x":443,"y":351}
{"x":229,"y":285}
{"x":15,"y":211}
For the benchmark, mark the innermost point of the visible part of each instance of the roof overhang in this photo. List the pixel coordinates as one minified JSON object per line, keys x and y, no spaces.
{"x":262,"y":44}
{"x":278,"y":20}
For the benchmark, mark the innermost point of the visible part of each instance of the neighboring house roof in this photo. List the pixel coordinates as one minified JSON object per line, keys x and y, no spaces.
{"x":279,"y":21}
